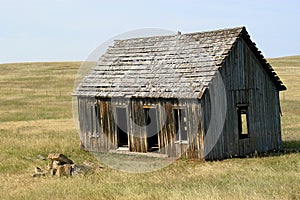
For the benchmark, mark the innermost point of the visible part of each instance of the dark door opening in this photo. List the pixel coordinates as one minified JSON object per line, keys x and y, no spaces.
{"x":151,"y":129}
{"x":122,"y":128}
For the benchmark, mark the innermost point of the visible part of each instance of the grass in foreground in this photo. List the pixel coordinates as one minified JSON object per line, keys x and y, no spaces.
{"x":36,"y":119}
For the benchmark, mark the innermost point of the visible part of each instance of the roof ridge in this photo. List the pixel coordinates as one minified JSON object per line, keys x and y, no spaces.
{"x":241,"y":28}
{"x":217,"y":30}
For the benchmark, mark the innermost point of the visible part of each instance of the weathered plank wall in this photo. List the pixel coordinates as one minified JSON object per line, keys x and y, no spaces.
{"x":99,"y":128}
{"x":246,"y":82}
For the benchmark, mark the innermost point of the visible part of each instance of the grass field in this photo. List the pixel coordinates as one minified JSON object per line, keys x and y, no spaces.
{"x":36,"y":119}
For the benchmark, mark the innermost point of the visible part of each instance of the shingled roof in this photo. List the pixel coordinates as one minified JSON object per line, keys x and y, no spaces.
{"x":175,"y":66}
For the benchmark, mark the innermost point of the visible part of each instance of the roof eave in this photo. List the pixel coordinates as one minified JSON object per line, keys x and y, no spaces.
{"x":266,"y":66}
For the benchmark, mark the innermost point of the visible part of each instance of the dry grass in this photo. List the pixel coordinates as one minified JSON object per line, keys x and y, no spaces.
{"x":288,"y":69}
{"x":36,"y":119}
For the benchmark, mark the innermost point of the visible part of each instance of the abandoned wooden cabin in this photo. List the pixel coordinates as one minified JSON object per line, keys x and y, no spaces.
{"x":158,"y":94}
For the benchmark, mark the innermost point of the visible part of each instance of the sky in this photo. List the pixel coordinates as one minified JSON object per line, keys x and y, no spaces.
{"x":69,"y":30}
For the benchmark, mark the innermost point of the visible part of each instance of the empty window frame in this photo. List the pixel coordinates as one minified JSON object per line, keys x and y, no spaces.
{"x":180,"y":124}
{"x":243,"y":121}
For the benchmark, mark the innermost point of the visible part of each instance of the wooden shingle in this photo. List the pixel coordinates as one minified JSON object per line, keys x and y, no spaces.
{"x":175,"y":66}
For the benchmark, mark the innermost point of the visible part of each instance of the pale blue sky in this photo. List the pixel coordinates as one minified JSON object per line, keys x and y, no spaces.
{"x":68,"y":30}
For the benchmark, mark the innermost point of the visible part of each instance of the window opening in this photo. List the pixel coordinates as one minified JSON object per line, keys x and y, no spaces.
{"x":180,"y":124}
{"x":243,"y":122}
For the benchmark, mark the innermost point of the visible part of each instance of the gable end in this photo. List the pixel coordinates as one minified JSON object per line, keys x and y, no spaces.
{"x":265,"y":65}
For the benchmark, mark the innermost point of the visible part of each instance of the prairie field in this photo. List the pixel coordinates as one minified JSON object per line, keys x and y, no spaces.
{"x":36,"y":119}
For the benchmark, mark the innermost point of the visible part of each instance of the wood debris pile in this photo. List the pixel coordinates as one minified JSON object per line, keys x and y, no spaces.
{"x":60,"y":165}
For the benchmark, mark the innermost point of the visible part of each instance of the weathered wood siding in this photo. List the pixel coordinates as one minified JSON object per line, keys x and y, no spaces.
{"x":246,"y":82}
{"x":98,"y":126}
{"x":95,"y":117}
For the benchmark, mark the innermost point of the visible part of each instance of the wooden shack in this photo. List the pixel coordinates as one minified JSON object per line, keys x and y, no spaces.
{"x":204,"y":95}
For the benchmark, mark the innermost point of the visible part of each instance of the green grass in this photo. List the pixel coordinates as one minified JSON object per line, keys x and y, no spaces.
{"x":36,"y":119}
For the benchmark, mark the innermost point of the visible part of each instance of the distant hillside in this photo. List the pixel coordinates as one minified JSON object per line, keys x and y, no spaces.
{"x":288,"y":69}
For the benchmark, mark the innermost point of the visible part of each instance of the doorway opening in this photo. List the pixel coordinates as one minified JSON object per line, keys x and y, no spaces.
{"x":151,"y":128}
{"x":122,"y":127}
